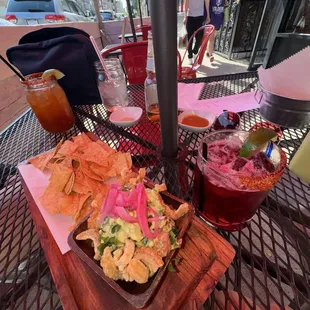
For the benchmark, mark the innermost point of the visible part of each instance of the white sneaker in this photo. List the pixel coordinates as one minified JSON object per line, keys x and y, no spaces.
{"x":190,"y":60}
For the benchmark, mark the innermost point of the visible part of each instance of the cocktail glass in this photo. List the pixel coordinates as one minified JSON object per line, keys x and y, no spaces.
{"x":49,"y":103}
{"x":113,"y":91}
{"x":229,"y":189}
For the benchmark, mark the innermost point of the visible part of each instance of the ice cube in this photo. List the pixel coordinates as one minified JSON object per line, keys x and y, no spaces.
{"x":239,"y":164}
{"x":261,"y":160}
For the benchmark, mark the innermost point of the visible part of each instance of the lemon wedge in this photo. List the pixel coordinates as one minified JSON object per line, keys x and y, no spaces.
{"x":52,"y":72}
{"x":256,"y":140}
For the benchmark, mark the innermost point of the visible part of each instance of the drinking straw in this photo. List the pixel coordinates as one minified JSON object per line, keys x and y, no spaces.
{"x":92,"y":39}
{"x":12,"y":68}
{"x":205,"y":151}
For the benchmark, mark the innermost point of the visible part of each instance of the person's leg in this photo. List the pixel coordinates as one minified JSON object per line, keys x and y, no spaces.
{"x":198,"y":23}
{"x":210,"y":49}
{"x":190,"y":30}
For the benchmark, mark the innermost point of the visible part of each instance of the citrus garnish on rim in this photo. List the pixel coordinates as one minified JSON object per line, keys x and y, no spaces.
{"x":52,"y":72}
{"x":256,"y":140}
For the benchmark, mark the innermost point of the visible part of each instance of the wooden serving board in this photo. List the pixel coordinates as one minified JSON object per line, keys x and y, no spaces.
{"x":205,"y":256}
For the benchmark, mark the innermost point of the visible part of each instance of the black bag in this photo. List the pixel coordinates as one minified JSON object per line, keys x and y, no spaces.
{"x":66,"y":49}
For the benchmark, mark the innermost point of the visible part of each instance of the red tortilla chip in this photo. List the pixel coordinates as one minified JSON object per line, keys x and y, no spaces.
{"x":96,"y":154}
{"x":106,"y":147}
{"x":41,"y":161}
{"x":84,"y":167}
{"x":68,"y":148}
{"x":49,"y":199}
{"x":68,"y":204}
{"x":81,"y":141}
{"x":84,"y":203}
{"x":60,"y":177}
{"x":69,"y":186}
{"x":120,"y":161}
{"x":97,"y":187}
{"x":104,"y":172}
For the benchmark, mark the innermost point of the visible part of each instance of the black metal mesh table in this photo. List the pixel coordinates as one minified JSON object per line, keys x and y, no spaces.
{"x":272,"y":255}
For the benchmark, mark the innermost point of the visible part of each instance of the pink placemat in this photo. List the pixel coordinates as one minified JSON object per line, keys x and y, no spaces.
{"x":58,"y":224}
{"x":234,"y":103}
{"x":188,"y":92}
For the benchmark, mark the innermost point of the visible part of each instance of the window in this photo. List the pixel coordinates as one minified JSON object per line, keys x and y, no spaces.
{"x":65,"y":6}
{"x":31,"y":6}
{"x":76,"y":9}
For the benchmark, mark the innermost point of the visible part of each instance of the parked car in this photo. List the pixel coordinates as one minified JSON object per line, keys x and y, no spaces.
{"x":4,"y":22}
{"x":107,"y":15}
{"x":119,"y":16}
{"x":33,"y":12}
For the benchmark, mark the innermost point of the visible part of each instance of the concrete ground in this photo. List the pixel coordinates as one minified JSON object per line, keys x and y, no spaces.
{"x":220,"y":66}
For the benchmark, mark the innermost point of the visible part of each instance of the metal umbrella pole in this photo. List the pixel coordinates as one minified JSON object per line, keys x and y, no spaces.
{"x":140,"y":12}
{"x":131,"y":20}
{"x":164,"y":30}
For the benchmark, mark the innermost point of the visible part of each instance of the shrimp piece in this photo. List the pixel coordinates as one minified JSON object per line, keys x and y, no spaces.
{"x":136,"y":271}
{"x":176,"y":214}
{"x":162,"y":244}
{"x":94,"y":235}
{"x":150,"y":258}
{"x":108,"y":264}
{"x":124,"y":260}
{"x":160,"y":187}
{"x":117,"y":254}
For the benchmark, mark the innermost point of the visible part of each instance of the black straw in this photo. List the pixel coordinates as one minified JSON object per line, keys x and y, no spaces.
{"x":205,"y":151}
{"x":12,"y":68}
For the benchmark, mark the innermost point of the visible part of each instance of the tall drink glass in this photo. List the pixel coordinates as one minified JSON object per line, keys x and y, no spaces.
{"x":49,"y":103}
{"x":229,"y":189}
{"x":113,"y":91}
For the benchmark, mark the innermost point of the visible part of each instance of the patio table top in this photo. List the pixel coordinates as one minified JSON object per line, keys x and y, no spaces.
{"x":272,"y":262}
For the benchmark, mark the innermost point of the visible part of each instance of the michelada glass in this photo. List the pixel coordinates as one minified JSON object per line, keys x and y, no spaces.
{"x":49,"y":103}
{"x":228,"y":189}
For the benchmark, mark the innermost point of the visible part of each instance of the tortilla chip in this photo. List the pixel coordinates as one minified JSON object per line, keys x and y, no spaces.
{"x":41,"y":161}
{"x":68,"y":204}
{"x":69,"y":186}
{"x":81,"y":188}
{"x":97,"y":187}
{"x":81,"y":141}
{"x":60,"y":177}
{"x":96,"y":154}
{"x":84,"y":167}
{"x":120,"y":161}
{"x":49,"y":199}
{"x":104,"y":172}
{"x":83,"y":207}
{"x":106,"y":147}
{"x":68,"y":148}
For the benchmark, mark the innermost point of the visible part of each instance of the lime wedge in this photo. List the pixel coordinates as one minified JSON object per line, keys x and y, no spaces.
{"x":256,"y":140}
{"x":52,"y":72}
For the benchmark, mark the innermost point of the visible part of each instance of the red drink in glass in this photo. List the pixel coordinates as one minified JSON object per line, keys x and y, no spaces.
{"x":229,"y":189}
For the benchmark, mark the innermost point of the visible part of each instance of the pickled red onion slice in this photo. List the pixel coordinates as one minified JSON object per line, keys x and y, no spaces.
{"x":142,"y":213}
{"x":124,"y":215}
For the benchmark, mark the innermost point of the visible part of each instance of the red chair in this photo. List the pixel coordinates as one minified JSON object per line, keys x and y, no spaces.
{"x":190,"y":72}
{"x":134,"y":57}
{"x":144,"y":29}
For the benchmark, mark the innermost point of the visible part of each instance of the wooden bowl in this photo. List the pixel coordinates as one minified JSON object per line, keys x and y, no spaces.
{"x":136,"y":294}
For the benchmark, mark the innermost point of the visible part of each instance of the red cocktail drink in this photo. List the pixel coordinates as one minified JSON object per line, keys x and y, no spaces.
{"x":228,"y":188}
